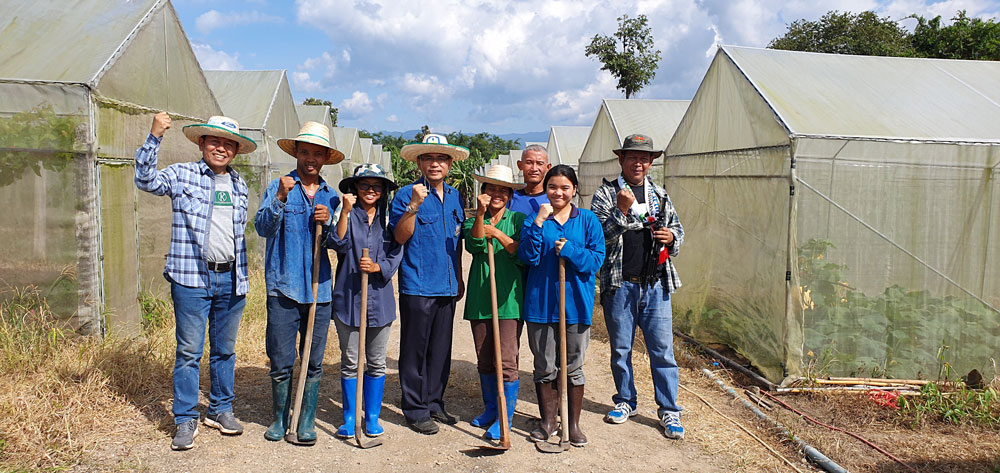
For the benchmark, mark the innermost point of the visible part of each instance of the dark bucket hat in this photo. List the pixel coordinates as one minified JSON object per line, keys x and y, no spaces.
{"x":367,"y":170}
{"x":639,"y":142}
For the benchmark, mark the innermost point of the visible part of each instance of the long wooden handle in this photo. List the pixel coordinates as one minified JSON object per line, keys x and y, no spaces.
{"x":563,"y":380}
{"x":307,"y":340}
{"x":362,"y":337}
{"x":497,"y":353}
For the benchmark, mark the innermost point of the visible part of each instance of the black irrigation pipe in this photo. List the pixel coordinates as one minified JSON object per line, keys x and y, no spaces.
{"x":811,"y":452}
{"x":758,"y":379}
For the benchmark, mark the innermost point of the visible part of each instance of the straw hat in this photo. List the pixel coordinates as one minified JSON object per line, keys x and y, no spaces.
{"x":367,"y":170}
{"x":433,"y":143}
{"x":638,"y":142}
{"x":500,"y":175}
{"x":223,"y":127}
{"x":313,"y":133}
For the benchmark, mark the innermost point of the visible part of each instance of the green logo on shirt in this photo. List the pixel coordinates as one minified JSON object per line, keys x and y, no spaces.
{"x":223,"y":199}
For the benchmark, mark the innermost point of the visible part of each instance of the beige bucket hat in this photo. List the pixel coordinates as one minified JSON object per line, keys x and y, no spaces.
{"x":500,"y":175}
{"x":223,"y":127}
{"x":313,"y":133}
{"x":433,"y":143}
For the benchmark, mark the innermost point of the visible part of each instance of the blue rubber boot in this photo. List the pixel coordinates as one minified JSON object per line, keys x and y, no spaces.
{"x":348,"y":393}
{"x":372,"y":393}
{"x":510,"y":395}
{"x":488,"y":385}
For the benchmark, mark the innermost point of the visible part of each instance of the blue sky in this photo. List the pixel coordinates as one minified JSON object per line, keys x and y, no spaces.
{"x":502,"y":66}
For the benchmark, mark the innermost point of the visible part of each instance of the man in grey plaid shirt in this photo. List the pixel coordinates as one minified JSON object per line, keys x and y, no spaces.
{"x":642,"y":234}
{"x":206,"y":265}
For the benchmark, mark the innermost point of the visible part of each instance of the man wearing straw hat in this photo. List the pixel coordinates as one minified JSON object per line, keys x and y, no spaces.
{"x":426,"y":217}
{"x":494,"y":221}
{"x":642,"y":234}
{"x":289,"y":211}
{"x":206,"y":265}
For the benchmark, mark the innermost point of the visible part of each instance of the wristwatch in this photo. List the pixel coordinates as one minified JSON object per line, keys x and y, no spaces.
{"x":411,"y":209}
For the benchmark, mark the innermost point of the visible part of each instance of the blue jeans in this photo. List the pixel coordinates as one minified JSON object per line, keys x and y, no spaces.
{"x":647,"y":308}
{"x":219,"y":307}
{"x":286,"y":332}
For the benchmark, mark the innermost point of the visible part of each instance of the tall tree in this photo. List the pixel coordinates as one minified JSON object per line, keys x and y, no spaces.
{"x":964,"y":38}
{"x":628,"y":55}
{"x":333,"y":110}
{"x":846,"y":33}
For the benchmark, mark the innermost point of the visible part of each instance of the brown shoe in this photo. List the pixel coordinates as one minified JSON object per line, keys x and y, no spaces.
{"x":576,"y":437}
{"x":548,"y":408}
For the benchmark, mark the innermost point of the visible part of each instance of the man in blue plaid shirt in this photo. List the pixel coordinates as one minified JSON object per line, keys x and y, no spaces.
{"x":206,"y":265}
{"x":642,"y":234}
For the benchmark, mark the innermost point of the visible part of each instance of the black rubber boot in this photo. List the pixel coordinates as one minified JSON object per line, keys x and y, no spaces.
{"x":548,"y":408}
{"x":280,"y":403}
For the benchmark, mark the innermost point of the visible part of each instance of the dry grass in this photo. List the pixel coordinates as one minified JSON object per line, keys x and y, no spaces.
{"x":64,"y":397}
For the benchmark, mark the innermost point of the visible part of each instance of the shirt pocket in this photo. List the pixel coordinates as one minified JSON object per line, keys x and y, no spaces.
{"x":192,"y":202}
{"x":296,"y":218}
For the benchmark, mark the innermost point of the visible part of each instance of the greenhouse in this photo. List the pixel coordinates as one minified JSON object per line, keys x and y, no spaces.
{"x":566,"y":144}
{"x":366,"y":151}
{"x":72,"y":114}
{"x":840,"y":212}
{"x":349,"y":143}
{"x":616,"y":119}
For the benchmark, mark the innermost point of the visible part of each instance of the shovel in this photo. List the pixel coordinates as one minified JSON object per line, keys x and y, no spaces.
{"x":563,"y":444}
{"x":497,"y":356}
{"x":362,"y":363}
{"x":293,"y":436}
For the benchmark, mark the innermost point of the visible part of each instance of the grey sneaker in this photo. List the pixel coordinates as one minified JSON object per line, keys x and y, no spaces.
{"x":225,"y":422}
{"x":184,"y":438}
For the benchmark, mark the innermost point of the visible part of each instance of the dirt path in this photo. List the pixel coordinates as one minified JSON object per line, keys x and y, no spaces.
{"x":637,"y":445}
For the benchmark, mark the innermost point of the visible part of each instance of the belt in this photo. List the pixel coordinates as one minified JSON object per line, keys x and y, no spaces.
{"x":223,"y":267}
{"x":634,"y":279}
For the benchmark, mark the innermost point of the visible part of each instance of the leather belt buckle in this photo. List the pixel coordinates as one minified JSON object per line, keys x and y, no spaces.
{"x":223,"y":267}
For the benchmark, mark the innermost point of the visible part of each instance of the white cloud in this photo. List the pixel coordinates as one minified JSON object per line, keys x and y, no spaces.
{"x":211,"y":59}
{"x":392,"y":118}
{"x":302,"y":81}
{"x":214,"y":19}
{"x":357,"y":106}
{"x":580,"y":106}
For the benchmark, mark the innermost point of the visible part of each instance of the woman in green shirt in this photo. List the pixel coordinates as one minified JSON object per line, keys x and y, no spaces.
{"x":494,"y":220}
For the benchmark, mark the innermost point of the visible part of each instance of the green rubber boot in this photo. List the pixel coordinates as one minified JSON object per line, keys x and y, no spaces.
{"x":307,"y":420}
{"x":280,"y":402}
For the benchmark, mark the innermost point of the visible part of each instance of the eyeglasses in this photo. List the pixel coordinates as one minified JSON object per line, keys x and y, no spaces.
{"x":439,"y":158}
{"x":364,"y":186}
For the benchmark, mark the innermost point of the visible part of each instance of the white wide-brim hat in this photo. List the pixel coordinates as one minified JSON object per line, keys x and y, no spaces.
{"x":500,"y":175}
{"x":222,"y":127}
{"x":313,"y":133}
{"x":433,"y":143}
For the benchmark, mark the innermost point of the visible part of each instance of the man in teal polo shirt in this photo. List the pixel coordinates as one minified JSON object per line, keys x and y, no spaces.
{"x":426,"y":218}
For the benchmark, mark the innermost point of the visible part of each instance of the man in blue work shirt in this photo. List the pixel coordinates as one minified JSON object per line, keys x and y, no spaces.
{"x":206,"y":265}
{"x":426,"y":218}
{"x":291,"y":208}
{"x":534,"y":163}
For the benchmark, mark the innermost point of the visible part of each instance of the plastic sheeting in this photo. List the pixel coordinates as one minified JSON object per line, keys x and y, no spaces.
{"x":870,"y":255}
{"x":566,"y":144}
{"x":129,"y":60}
{"x":615,"y":120}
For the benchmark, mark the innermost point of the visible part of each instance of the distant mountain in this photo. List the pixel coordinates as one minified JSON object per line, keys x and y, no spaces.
{"x":542,"y":136}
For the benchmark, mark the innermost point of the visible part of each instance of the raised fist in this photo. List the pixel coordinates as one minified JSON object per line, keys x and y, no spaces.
{"x":419,"y":193}
{"x":544,"y":210}
{"x":284,"y":187}
{"x":348,"y":201}
{"x":625,"y":199}
{"x":482,"y":203}
{"x":161,"y":123}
